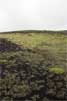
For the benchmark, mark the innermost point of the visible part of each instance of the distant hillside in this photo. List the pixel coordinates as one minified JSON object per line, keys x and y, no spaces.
{"x":36,"y":31}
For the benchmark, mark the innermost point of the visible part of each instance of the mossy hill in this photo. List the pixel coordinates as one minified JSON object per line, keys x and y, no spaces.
{"x":33,"y":66}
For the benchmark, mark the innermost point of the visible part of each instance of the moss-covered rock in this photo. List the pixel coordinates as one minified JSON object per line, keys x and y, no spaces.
{"x":56,"y":83}
{"x":56,"y":70}
{"x":25,"y":75}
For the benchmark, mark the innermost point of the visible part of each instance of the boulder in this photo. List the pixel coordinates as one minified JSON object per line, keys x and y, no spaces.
{"x":56,"y":84}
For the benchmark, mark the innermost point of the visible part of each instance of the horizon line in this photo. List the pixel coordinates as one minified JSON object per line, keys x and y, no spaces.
{"x":33,"y":30}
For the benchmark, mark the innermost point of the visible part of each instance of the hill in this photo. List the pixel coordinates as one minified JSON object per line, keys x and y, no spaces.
{"x":33,"y":66}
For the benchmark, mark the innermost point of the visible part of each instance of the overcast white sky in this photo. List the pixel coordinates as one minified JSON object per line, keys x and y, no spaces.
{"x":33,"y":14}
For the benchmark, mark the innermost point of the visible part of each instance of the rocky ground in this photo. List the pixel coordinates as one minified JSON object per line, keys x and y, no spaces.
{"x":7,"y":46}
{"x":24,"y":75}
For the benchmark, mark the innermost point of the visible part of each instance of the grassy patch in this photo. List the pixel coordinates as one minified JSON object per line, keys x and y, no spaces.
{"x":57,"y":70}
{"x":56,"y":44}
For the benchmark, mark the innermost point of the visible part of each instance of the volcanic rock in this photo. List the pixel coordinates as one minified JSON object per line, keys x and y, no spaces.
{"x":6,"y":45}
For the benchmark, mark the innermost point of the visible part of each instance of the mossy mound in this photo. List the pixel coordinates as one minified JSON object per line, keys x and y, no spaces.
{"x":56,"y":70}
{"x":56,"y":83}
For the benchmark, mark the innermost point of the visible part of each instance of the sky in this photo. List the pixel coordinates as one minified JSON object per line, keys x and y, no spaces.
{"x":33,"y":15}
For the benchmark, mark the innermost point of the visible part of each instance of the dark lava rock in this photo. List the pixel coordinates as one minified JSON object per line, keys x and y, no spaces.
{"x":6,"y":45}
{"x":56,"y":86}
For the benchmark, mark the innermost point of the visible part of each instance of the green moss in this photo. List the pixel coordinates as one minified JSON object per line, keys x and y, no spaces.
{"x":56,"y":70}
{"x":7,"y":99}
{"x":3,"y":61}
{"x":22,"y":90}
